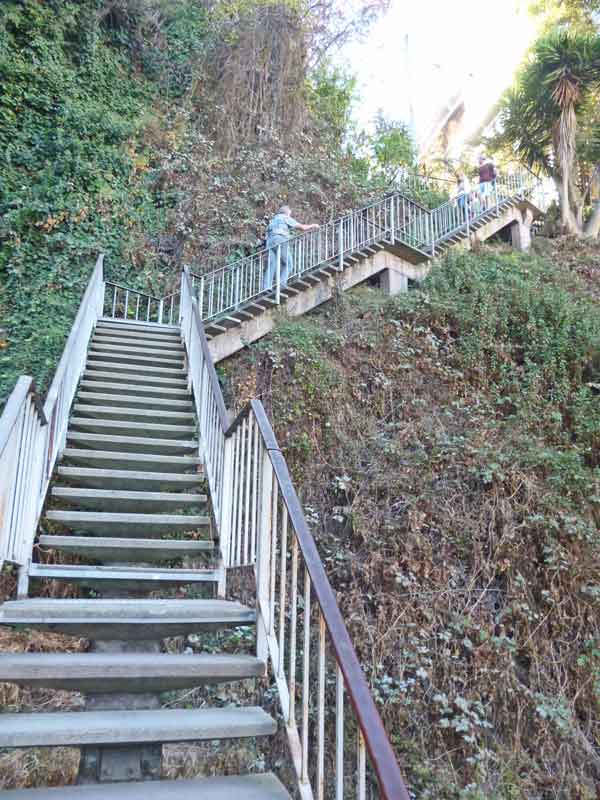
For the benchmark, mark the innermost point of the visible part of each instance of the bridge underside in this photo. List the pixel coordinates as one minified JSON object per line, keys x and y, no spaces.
{"x":395,"y":263}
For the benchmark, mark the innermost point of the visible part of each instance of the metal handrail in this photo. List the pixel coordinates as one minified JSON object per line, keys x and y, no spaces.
{"x":225,"y":289}
{"x":256,"y":509}
{"x":31,"y":437}
{"x":124,"y":303}
{"x":395,"y":218}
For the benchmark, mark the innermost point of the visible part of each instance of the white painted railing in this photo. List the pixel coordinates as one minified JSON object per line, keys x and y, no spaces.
{"x":395,"y":219}
{"x":338,"y":744}
{"x":31,"y":437}
{"x":124,"y":303}
{"x":268,"y":270}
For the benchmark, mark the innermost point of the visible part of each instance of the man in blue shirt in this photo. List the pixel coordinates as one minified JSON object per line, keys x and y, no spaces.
{"x":278,"y":235}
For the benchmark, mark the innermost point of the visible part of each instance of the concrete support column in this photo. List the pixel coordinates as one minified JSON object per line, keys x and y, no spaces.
{"x":520,"y":231}
{"x":393,"y":282}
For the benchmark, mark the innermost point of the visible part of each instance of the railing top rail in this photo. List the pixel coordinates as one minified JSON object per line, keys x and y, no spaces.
{"x":526,"y":182}
{"x":355,"y":212}
{"x":383,"y":758}
{"x":24,"y":386}
{"x":137,"y":291}
{"x":97,"y":275}
{"x":210,"y":367}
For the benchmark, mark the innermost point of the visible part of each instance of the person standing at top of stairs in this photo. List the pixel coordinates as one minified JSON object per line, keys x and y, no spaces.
{"x":278,"y":234}
{"x":487,"y":177}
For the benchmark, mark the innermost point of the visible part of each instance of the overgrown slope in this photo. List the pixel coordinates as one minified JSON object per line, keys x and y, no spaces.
{"x":150,"y":131}
{"x":446,"y":447}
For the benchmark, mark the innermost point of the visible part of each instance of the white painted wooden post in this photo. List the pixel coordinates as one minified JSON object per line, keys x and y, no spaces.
{"x":226,"y":496}
{"x":263,"y":558}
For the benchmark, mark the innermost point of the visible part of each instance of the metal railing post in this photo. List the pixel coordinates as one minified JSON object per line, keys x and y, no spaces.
{"x":201,"y":298}
{"x":341,"y":246}
{"x":392,"y":221}
{"x":160,"y":312}
{"x":227,"y":489}
{"x":263,"y":558}
{"x":278,"y":275}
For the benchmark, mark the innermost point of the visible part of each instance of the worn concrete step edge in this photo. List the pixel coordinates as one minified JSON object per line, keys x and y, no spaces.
{"x":246,"y":787}
{"x":128,"y":727}
{"x":107,"y":548}
{"x":125,"y":479}
{"x":141,"y":443}
{"x":90,"y":574}
{"x":146,"y":461}
{"x":141,"y":340}
{"x":133,"y":379}
{"x":129,"y":427}
{"x":91,"y":399}
{"x":98,"y":363}
{"x":138,"y":358}
{"x":125,"y":619}
{"x":124,"y":412}
{"x":131,"y":388}
{"x":175,"y":352}
{"x":125,"y":326}
{"x":124,"y":523}
{"x":133,"y":672}
{"x":77,"y":495}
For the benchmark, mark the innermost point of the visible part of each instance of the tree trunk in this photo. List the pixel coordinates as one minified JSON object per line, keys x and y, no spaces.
{"x":568,"y":218}
{"x":592,"y":228}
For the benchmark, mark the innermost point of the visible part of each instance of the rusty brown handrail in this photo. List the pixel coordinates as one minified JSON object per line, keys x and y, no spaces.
{"x":378,"y":744}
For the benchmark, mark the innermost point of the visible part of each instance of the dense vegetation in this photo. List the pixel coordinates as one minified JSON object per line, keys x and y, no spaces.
{"x":128,"y":127}
{"x":447,"y":450}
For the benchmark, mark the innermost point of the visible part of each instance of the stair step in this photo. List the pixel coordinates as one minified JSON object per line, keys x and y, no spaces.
{"x":115,"y":524}
{"x":60,"y":729}
{"x":91,"y":398}
{"x":137,"y":341}
{"x":120,"y":577}
{"x":140,"y":359}
{"x":143,"y":380}
{"x":135,"y":389}
{"x":133,"y":328}
{"x":132,"y":444}
{"x":97,"y":364}
{"x":106,"y":549}
{"x":108,"y":459}
{"x":125,"y":672}
{"x":124,"y":479}
{"x":147,"y":351}
{"x":120,"y":500}
{"x":246,"y":787}
{"x":125,"y":619}
{"x":118,"y":427}
{"x":126,"y":413}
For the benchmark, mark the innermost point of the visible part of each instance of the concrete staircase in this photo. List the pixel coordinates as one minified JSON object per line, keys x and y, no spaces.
{"x":128,"y":517}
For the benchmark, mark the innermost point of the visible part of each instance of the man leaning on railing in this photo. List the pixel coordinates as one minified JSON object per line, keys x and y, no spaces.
{"x":278,"y":235}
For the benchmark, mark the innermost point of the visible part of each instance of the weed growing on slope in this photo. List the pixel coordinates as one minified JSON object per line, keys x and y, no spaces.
{"x":452,"y":481}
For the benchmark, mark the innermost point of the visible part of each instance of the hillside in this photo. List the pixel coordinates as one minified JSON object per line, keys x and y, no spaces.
{"x":159,"y":134}
{"x":446,"y":449}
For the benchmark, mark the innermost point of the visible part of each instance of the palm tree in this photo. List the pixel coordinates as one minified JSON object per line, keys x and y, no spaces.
{"x":541,"y":113}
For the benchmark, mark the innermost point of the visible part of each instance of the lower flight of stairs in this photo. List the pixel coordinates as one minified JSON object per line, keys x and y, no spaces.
{"x":128,"y":518}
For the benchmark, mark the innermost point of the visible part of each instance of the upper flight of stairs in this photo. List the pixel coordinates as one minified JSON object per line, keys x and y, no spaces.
{"x":250,"y":312}
{"x":128,"y":524}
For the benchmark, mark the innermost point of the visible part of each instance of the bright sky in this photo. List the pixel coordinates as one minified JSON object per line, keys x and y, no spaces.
{"x":453,"y":45}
